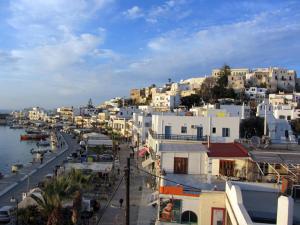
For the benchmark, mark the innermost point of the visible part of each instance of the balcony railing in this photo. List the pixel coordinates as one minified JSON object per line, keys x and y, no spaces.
{"x":177,"y":137}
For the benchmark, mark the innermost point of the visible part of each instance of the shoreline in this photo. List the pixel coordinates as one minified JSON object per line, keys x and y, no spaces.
{"x":10,"y":182}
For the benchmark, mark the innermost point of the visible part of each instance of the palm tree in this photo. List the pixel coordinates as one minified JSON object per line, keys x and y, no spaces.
{"x":58,"y":190}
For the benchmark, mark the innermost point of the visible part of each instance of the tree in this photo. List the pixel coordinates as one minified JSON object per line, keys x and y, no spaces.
{"x":223,"y":78}
{"x":295,"y":124}
{"x":60,"y":189}
{"x":30,"y":216}
{"x":253,"y":126}
{"x":206,"y":91}
{"x":90,"y":104}
{"x":192,"y":100}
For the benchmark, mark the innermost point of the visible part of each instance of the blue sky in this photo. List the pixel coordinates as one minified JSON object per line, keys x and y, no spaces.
{"x":62,"y":52}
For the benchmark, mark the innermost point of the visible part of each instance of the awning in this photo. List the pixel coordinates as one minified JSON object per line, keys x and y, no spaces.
{"x":143,"y":151}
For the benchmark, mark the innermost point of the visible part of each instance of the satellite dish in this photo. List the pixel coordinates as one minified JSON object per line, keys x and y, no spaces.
{"x":255,"y":141}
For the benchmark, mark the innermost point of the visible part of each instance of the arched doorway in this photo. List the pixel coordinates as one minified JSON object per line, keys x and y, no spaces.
{"x":189,"y":217}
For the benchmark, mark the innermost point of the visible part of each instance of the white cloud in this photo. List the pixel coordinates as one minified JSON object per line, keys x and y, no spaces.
{"x":134,"y":12}
{"x":260,"y":41}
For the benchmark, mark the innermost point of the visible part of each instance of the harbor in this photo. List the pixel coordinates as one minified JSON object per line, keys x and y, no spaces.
{"x":29,"y":176}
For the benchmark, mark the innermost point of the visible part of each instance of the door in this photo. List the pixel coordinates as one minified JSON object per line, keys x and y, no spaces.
{"x":226,"y":168}
{"x":199,"y":133}
{"x":168,"y":132}
{"x":180,"y":165}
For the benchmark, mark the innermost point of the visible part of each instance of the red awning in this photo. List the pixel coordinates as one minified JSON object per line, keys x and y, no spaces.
{"x":143,"y":151}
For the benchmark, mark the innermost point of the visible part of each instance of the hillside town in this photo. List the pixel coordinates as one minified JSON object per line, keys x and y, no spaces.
{"x":220,"y":149}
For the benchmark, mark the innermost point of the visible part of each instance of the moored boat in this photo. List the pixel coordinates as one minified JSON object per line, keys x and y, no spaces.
{"x":16,"y":126}
{"x":40,"y":136}
{"x":32,"y":131}
{"x":43,"y":143}
{"x":39,"y":151}
{"x":16,"y":167}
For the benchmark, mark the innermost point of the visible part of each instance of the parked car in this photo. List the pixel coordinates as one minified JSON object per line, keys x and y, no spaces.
{"x":6,"y":213}
{"x":106,"y":157}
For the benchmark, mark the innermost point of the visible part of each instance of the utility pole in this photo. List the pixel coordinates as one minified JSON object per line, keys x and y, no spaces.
{"x":138,"y":147}
{"x":127,"y":180}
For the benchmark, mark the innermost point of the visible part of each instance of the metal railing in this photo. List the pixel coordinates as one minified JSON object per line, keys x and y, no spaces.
{"x":177,"y":137}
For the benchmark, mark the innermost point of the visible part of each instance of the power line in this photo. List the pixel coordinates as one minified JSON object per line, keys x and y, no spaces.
{"x":166,"y":179}
{"x":111,"y":198}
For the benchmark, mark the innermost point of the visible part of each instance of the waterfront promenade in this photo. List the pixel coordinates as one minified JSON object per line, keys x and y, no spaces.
{"x":17,"y":184}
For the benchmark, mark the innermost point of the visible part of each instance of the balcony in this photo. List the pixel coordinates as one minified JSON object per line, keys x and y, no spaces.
{"x":177,"y":137}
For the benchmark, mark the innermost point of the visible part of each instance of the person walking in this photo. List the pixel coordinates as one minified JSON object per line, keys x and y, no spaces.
{"x":121,"y":202}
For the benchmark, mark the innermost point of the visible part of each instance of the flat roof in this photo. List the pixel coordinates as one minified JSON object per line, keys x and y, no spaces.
{"x":278,"y":157}
{"x":227,"y":150}
{"x":198,"y":182}
{"x":261,"y":205}
{"x":182,"y":147}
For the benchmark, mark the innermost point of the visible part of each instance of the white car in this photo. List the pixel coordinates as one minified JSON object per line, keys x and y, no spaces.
{"x":6,"y":213}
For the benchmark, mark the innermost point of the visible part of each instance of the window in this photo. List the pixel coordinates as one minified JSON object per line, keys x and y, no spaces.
{"x":189,"y":217}
{"x":214,"y":130}
{"x":225,"y":132}
{"x":147,"y":124}
{"x":226,"y":168}
{"x":217,"y":216}
{"x":180,"y":165}
{"x":281,"y":117}
{"x":183,"y":130}
{"x":288,"y":117}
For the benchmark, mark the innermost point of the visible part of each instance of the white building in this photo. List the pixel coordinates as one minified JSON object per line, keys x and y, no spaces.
{"x":273,"y":78}
{"x":279,"y":130}
{"x":37,"y":113}
{"x":141,"y":124}
{"x":286,"y":112}
{"x":125,"y":112}
{"x":281,"y":99}
{"x":165,"y":101}
{"x":217,"y":110}
{"x":194,"y":82}
{"x":254,"y":204}
{"x":220,"y":129}
{"x":256,"y":93}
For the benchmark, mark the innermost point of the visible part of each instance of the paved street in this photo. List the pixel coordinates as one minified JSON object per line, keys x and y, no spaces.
{"x":140,"y":213}
{"x":39,"y":174}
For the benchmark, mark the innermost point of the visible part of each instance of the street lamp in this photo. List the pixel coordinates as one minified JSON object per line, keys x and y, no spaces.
{"x":15,"y":200}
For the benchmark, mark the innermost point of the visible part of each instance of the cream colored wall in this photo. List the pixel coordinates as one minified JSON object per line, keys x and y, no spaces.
{"x":196,"y":162}
{"x":208,"y":201}
{"x":215,"y":167}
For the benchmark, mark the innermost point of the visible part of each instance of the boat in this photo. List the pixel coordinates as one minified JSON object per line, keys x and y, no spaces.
{"x":39,"y":151}
{"x":32,"y":131}
{"x":40,"y":136}
{"x":43,"y":143}
{"x":16,"y":126}
{"x":16,"y":167}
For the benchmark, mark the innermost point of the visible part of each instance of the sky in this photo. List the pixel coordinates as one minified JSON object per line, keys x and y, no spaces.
{"x":63,"y":52}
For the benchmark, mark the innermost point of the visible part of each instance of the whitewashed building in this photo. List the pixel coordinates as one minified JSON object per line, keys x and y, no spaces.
{"x":279,"y":130}
{"x":217,"y":110}
{"x":256,"y":93}
{"x":165,"y":101}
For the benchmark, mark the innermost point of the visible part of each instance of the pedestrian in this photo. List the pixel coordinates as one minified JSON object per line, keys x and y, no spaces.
{"x":42,"y":158}
{"x":121,"y":202}
{"x":118,"y":171}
